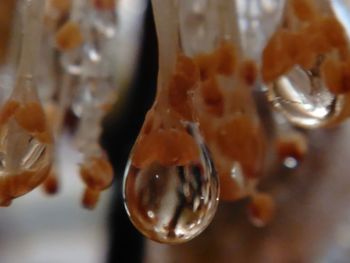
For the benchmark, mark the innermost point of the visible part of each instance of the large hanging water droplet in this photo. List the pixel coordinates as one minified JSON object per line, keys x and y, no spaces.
{"x":25,"y":142}
{"x":303,"y":98}
{"x":172,"y":204}
{"x":72,"y":61}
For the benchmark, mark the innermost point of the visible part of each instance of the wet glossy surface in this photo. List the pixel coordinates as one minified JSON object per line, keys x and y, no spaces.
{"x":303,"y":98}
{"x":312,"y":223}
{"x":171,"y":204}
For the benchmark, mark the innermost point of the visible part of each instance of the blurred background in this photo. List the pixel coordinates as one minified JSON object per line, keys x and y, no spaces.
{"x":312,"y":222}
{"x":37,"y":228}
{"x":56,"y":229}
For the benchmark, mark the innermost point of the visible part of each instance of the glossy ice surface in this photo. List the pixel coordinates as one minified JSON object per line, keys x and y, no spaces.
{"x":172,"y":204}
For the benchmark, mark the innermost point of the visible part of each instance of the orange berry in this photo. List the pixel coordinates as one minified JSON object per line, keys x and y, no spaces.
{"x":287,"y":49}
{"x":275,"y":59}
{"x":304,"y":9}
{"x":261,"y":210}
{"x":90,"y":198}
{"x":297,"y":49}
{"x":8,"y":110}
{"x":331,"y":70}
{"x":248,"y":72}
{"x":50,"y":184}
{"x":240,"y":139}
{"x":179,"y":148}
{"x":325,"y":34}
{"x":185,"y":78}
{"x":62,"y":6}
{"x":52,"y":113}
{"x":44,"y":137}
{"x":188,"y":70}
{"x":106,"y":107}
{"x":69,"y":36}
{"x":178,"y":96}
{"x":226,"y":59}
{"x":145,"y":150}
{"x":5,"y":202}
{"x":7,"y":11}
{"x":97,"y":173}
{"x":167,"y":147}
{"x":229,"y":188}
{"x":334,"y":32}
{"x":212,"y":96}
{"x":31,"y":117}
{"x":24,"y":181}
{"x":207,"y":64}
{"x":293,"y":145}
{"x":104,"y":4}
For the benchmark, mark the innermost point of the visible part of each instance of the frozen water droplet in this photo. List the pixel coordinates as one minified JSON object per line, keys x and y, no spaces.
{"x":238,"y":176}
{"x":303,"y":98}
{"x":172,"y":204}
{"x":82,"y":97}
{"x":105,"y":21}
{"x":290,"y":162}
{"x":26,"y":161}
{"x":93,"y":93}
{"x":25,"y":142}
{"x":72,"y":61}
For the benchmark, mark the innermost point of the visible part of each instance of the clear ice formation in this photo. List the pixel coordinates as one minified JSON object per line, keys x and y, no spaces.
{"x":25,"y":137}
{"x":172,"y":204}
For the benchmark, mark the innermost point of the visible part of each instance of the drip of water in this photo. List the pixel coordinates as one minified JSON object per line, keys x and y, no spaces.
{"x":172,"y":204}
{"x":303,"y":98}
{"x":25,"y":140}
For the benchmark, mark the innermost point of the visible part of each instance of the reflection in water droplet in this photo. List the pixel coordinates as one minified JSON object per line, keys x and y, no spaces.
{"x":25,"y":161}
{"x":290,"y":162}
{"x":105,"y":22}
{"x":72,"y":61}
{"x":171,"y":204}
{"x":237,"y":175}
{"x":303,"y":98}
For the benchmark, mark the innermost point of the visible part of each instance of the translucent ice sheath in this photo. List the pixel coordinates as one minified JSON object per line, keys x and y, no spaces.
{"x":313,"y":36}
{"x":26,"y":139}
{"x":170,"y":186}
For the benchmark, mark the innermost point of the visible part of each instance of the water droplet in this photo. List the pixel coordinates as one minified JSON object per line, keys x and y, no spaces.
{"x":25,"y":143}
{"x":72,"y":61}
{"x":172,"y":204}
{"x":290,"y":162}
{"x":25,"y":140}
{"x":303,"y":98}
